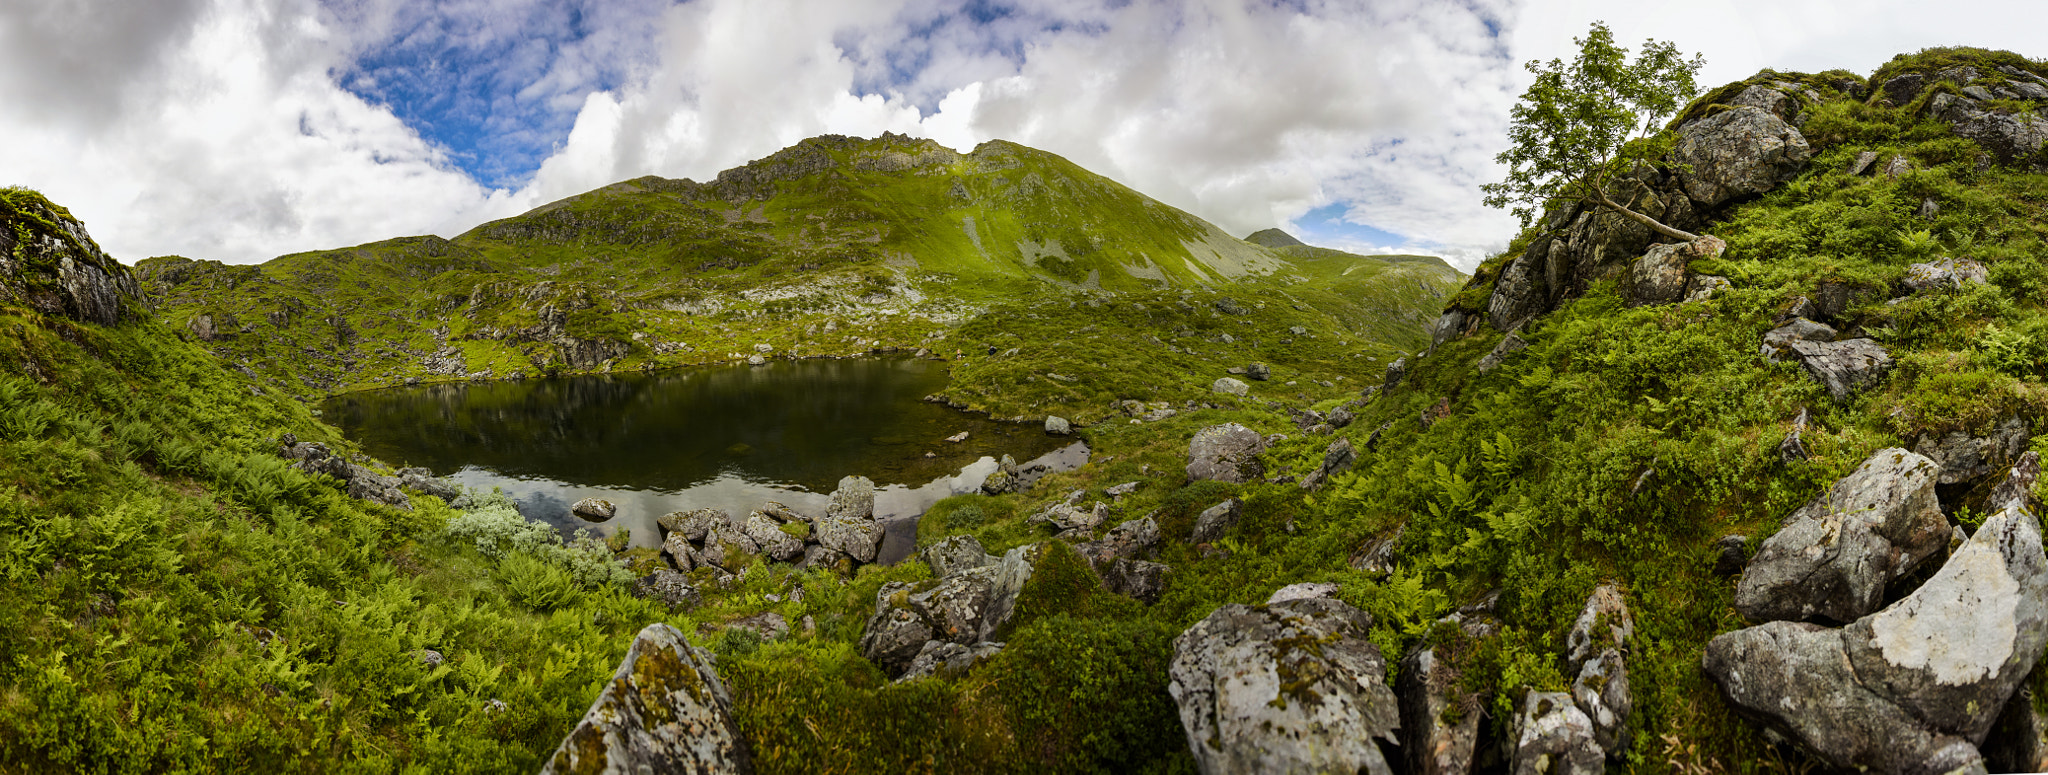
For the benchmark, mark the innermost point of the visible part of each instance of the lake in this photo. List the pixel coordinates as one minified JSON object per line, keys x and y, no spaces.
{"x":732,"y":437}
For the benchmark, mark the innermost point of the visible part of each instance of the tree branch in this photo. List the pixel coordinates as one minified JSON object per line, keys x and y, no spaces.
{"x":1654,"y":224}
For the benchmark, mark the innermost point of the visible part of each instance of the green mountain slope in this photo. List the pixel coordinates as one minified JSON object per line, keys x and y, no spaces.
{"x":834,"y":246}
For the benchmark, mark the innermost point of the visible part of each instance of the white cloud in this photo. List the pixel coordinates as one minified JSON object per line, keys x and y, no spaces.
{"x":222,"y":128}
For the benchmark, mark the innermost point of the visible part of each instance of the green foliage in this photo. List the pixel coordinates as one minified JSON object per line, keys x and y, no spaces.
{"x":1579,"y":128}
{"x":1089,"y":695}
{"x":539,"y":584}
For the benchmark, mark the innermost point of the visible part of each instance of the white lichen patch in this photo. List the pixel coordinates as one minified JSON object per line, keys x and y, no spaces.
{"x":1960,"y":625}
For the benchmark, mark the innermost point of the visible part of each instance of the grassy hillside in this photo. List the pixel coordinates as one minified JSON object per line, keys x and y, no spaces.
{"x":834,"y":246}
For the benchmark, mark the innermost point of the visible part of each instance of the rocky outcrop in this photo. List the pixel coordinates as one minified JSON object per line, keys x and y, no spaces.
{"x":359,"y":482}
{"x":1843,"y":367}
{"x":1337,"y":458}
{"x":767,"y":533}
{"x":1509,"y":345}
{"x":663,"y":711}
{"x":1595,"y":653}
{"x":1913,"y":688}
{"x":1833,"y":557}
{"x":1965,"y":458}
{"x":955,"y":554}
{"x":693,"y":524}
{"x":1440,"y":720}
{"x":49,"y":263}
{"x":946,"y":659}
{"x":670,"y":588}
{"x":1118,"y":558}
{"x":1295,"y":686}
{"x":1661,"y":275}
{"x":1949,"y":273}
{"x":849,"y":525}
{"x":1226,"y":453}
{"x":1216,"y":521}
{"x":1006,"y":478}
{"x":2010,"y":136}
{"x":1778,"y":342}
{"x":1738,"y":153}
{"x":1551,"y":736}
{"x":968,"y":606}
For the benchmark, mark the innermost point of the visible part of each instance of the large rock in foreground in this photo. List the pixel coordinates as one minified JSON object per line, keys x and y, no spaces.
{"x":1834,"y":556}
{"x":1226,"y":453}
{"x":1738,"y":153}
{"x":664,"y":711}
{"x":1913,"y":688}
{"x":1290,"y":687}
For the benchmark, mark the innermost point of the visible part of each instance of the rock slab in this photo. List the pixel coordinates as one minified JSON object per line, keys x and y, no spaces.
{"x":1833,"y":557}
{"x":664,"y":711}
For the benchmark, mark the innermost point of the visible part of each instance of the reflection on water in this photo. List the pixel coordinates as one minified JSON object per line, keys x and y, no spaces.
{"x":731,"y":437}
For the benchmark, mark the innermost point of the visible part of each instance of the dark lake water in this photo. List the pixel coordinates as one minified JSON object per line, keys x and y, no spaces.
{"x":733,"y":437}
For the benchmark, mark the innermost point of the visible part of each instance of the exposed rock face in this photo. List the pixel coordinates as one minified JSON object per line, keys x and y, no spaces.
{"x":1447,"y":327}
{"x":1518,"y":294}
{"x":1440,"y":723}
{"x":1738,"y":153}
{"x":1216,"y":521}
{"x":1254,"y":698}
{"x":2009,"y":136}
{"x":1914,"y":687}
{"x":1967,"y":458}
{"x":1553,"y":737}
{"x":1596,"y":643}
{"x":1946,"y":273}
{"x":955,"y":554}
{"x":728,"y":547}
{"x":1834,"y":556}
{"x":1226,"y":453}
{"x":1659,"y":277}
{"x":1396,"y":371}
{"x":849,"y":525}
{"x":59,"y":269}
{"x":664,"y":711}
{"x":422,"y":481}
{"x":1303,"y":591}
{"x":1509,"y":345}
{"x":1843,"y":367}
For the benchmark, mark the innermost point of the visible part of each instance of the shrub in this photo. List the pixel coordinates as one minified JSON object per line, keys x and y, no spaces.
{"x":539,"y":584}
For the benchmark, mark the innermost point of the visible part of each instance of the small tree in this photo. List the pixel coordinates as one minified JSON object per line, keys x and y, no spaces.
{"x":1579,"y":128}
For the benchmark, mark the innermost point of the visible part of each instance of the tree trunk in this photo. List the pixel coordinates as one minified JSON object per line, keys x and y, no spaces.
{"x":1654,"y":224}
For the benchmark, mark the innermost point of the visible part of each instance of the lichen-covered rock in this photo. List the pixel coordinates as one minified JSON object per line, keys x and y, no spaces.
{"x":1778,"y":341}
{"x":945,"y":659}
{"x":1131,"y":540}
{"x":1230,"y":386}
{"x":1396,"y":371}
{"x":1216,"y":521}
{"x":1254,"y":696}
{"x":1376,"y":557}
{"x":1140,"y":580}
{"x":1518,"y":294}
{"x":669,"y":588}
{"x":50,"y":264}
{"x":1065,"y":516}
{"x":680,"y":552}
{"x":1446,"y":327}
{"x":1738,"y":153}
{"x":1058,"y":426}
{"x":965,"y":607}
{"x":1946,"y":273}
{"x":594,"y":509}
{"x":1226,"y":453}
{"x":1912,"y":688}
{"x":1258,"y":371}
{"x":1843,"y":367}
{"x":1552,"y":736}
{"x":956,"y":554}
{"x":816,"y":556}
{"x":1601,"y":692}
{"x":849,"y":525}
{"x":422,"y":481}
{"x":768,"y":625}
{"x":2008,"y":136}
{"x":1776,"y":102}
{"x":693,"y":524}
{"x":1966,"y":458}
{"x":728,"y":547}
{"x":1603,"y":624}
{"x":1337,"y":458}
{"x":767,"y":533}
{"x":1302,"y":591}
{"x":1006,"y":478}
{"x":1509,"y":345}
{"x":663,"y":711}
{"x":1833,"y":557}
{"x":1659,"y":277}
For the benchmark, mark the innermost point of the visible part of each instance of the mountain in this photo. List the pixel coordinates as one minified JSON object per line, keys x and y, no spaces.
{"x":833,"y":246}
{"x":1272,"y":238}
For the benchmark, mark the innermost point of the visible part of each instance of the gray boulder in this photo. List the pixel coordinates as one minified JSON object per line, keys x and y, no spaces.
{"x":1904,"y":88}
{"x":1777,"y":103}
{"x":1447,"y":327}
{"x":1337,"y":458}
{"x":1914,"y":687}
{"x":1377,"y":555}
{"x":1131,"y":540}
{"x":1702,"y":287}
{"x":946,"y":659}
{"x":1603,"y":624}
{"x":1230,"y":386}
{"x":1843,"y":367}
{"x":967,"y":606}
{"x":1396,"y":371}
{"x":816,"y":556}
{"x":769,"y":625}
{"x":1833,"y":557}
{"x":1552,"y":736}
{"x":1659,"y":277}
{"x":1065,"y":516}
{"x":1226,"y":453}
{"x":849,"y":526}
{"x":1594,"y":649}
{"x":695,"y":523}
{"x":1738,"y":153}
{"x":729,"y":547}
{"x":1966,"y":458}
{"x":1303,"y":591}
{"x":594,"y":509}
{"x":669,"y":588}
{"x":1509,"y":345}
{"x":1058,"y":426}
{"x":663,"y":711}
{"x":1861,"y":164}
{"x":766,"y":533}
{"x":1216,"y":521}
{"x":1518,"y":294}
{"x":1140,"y":580}
{"x":422,"y":481}
{"x":1252,"y":698}
{"x":1946,"y":273}
{"x":955,"y":554}
{"x":681,"y":553}
{"x":1258,"y":371}
{"x":1006,"y":478}
{"x":1779,"y":340}
{"x":1341,"y":417}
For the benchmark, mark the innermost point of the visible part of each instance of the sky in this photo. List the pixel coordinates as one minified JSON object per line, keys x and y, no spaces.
{"x":240,"y":130}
